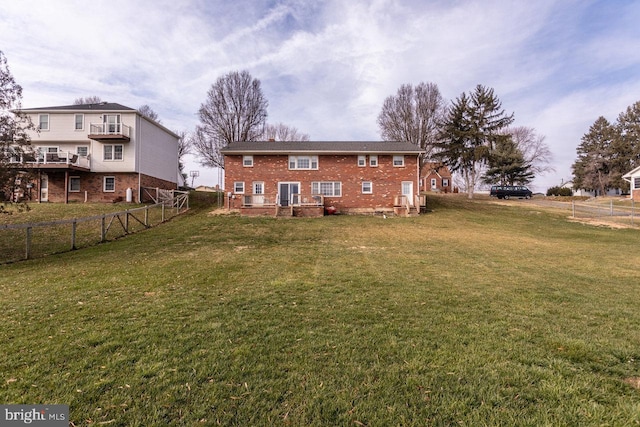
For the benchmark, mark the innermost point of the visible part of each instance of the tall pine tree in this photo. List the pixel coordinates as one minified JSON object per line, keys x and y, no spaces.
{"x":593,"y":170}
{"x":471,"y":129}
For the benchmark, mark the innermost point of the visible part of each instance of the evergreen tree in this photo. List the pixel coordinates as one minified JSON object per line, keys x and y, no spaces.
{"x":507,"y":165}
{"x":593,"y":170}
{"x":471,"y":129}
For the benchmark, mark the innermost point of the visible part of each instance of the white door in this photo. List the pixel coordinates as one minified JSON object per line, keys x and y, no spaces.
{"x":288,"y":192}
{"x":44,"y":188}
{"x":407,"y":191}
{"x":258,"y":193}
{"x":111,"y":123}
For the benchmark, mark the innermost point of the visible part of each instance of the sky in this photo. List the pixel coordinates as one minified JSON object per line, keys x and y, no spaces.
{"x":326,"y":66}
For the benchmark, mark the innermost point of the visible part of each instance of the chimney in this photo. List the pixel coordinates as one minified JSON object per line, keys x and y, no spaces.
{"x":272,"y":140}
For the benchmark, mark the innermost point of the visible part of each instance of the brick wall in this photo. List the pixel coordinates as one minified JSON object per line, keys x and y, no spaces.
{"x":93,"y":185}
{"x":386,"y":179}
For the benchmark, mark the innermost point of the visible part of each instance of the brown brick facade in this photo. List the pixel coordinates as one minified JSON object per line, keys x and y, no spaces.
{"x":92,"y":186}
{"x":386,"y":179}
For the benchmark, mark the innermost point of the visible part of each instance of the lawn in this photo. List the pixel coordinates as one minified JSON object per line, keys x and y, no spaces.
{"x":473,"y":314}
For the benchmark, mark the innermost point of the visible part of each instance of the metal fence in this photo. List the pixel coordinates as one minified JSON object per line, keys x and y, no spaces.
{"x":26,"y":241}
{"x":621,"y":212}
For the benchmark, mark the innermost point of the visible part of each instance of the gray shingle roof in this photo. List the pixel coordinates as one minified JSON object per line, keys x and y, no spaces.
{"x":101,"y":106}
{"x":324,"y":147}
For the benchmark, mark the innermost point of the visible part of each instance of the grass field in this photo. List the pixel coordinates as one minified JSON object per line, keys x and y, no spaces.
{"x":473,"y":314}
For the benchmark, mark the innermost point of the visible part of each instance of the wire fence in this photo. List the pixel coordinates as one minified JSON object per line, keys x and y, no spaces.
{"x":26,"y":241}
{"x":622,"y":212}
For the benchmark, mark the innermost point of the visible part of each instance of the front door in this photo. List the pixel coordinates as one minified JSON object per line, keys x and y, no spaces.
{"x":407,"y":191}
{"x":288,"y":191}
{"x":44,"y":188}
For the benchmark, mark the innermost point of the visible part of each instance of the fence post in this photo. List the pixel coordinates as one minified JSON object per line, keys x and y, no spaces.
{"x":126,"y":221}
{"x":102,"y":229}
{"x":162,"y":220}
{"x":573,"y":208}
{"x":27,"y":252}
{"x":74,"y":225}
{"x":611,"y":207}
{"x":632,"y":209}
{"x":146,"y":216}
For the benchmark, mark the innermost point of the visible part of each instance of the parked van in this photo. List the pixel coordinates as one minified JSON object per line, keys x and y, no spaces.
{"x":507,"y":191}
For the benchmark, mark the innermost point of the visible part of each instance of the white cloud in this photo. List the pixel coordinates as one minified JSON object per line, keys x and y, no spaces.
{"x":327,"y":66}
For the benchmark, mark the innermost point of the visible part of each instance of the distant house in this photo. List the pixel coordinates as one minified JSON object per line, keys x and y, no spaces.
{"x":101,"y":152}
{"x":309,"y":178}
{"x":436,"y":177}
{"x":633,"y":178}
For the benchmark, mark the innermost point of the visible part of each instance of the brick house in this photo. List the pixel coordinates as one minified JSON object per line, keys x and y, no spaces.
{"x":100,"y":152}
{"x":313,"y":177}
{"x":436,"y":177}
{"x":633,"y":178}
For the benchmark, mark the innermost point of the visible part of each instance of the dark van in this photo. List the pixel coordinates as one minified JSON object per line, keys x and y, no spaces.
{"x":507,"y":191}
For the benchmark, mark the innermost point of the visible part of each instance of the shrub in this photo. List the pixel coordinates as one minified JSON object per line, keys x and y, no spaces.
{"x":559,"y":191}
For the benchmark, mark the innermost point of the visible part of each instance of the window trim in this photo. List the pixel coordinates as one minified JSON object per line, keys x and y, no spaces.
{"x":397,"y":158}
{"x":362,"y":161}
{"x":373,"y":161}
{"x":104,"y":184}
{"x":236,"y":187}
{"x":82,"y":146}
{"x":40,"y":116}
{"x":295,"y":165}
{"x":113,"y":153}
{"x":254,"y":187}
{"x":75,"y":121}
{"x":248,"y":164}
{"x":316,"y":188}
{"x":636,"y":182}
{"x":370,"y":191}
{"x":77,"y":179}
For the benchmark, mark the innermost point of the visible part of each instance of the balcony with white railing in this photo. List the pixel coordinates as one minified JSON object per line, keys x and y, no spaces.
{"x":109,"y":132}
{"x":51,"y":160}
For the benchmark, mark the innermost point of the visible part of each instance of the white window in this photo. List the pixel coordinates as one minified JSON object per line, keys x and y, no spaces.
{"x":367,"y":187}
{"x":113,"y":152}
{"x":109,"y":184}
{"x":303,"y":162}
{"x":327,"y":188}
{"x":111,"y":123}
{"x":43,"y":122}
{"x":74,"y":184}
{"x":398,"y":160}
{"x":636,"y":183}
{"x":238,"y":187}
{"x":445,"y":182}
{"x":79,"y":121}
{"x":247,"y":161}
{"x":82,"y":150}
{"x":434,"y":183}
{"x":362,"y":161}
{"x":373,"y":161}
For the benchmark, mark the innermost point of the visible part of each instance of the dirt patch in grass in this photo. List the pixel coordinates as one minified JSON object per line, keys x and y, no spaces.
{"x":601,"y":223}
{"x":633,"y":382}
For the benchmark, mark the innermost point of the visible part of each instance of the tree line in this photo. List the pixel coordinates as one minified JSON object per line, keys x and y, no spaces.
{"x":608,"y":151}
{"x":471,"y":135}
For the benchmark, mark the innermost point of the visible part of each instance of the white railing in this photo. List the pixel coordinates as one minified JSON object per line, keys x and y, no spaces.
{"x":57,"y":158}
{"x":259,"y":200}
{"x":307,"y":200}
{"x":109,"y":129}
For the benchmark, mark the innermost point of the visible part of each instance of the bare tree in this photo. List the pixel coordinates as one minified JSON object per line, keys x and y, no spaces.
{"x":282,"y":132}
{"x":87,"y":100}
{"x":184,"y":148}
{"x":534,"y":150}
{"x":14,"y":139}
{"x":148,"y":112}
{"x":413,"y":115}
{"x":235,"y":110}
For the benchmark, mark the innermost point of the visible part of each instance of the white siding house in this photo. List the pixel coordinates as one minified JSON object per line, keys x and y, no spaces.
{"x":96,"y":152}
{"x":633,"y":178}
